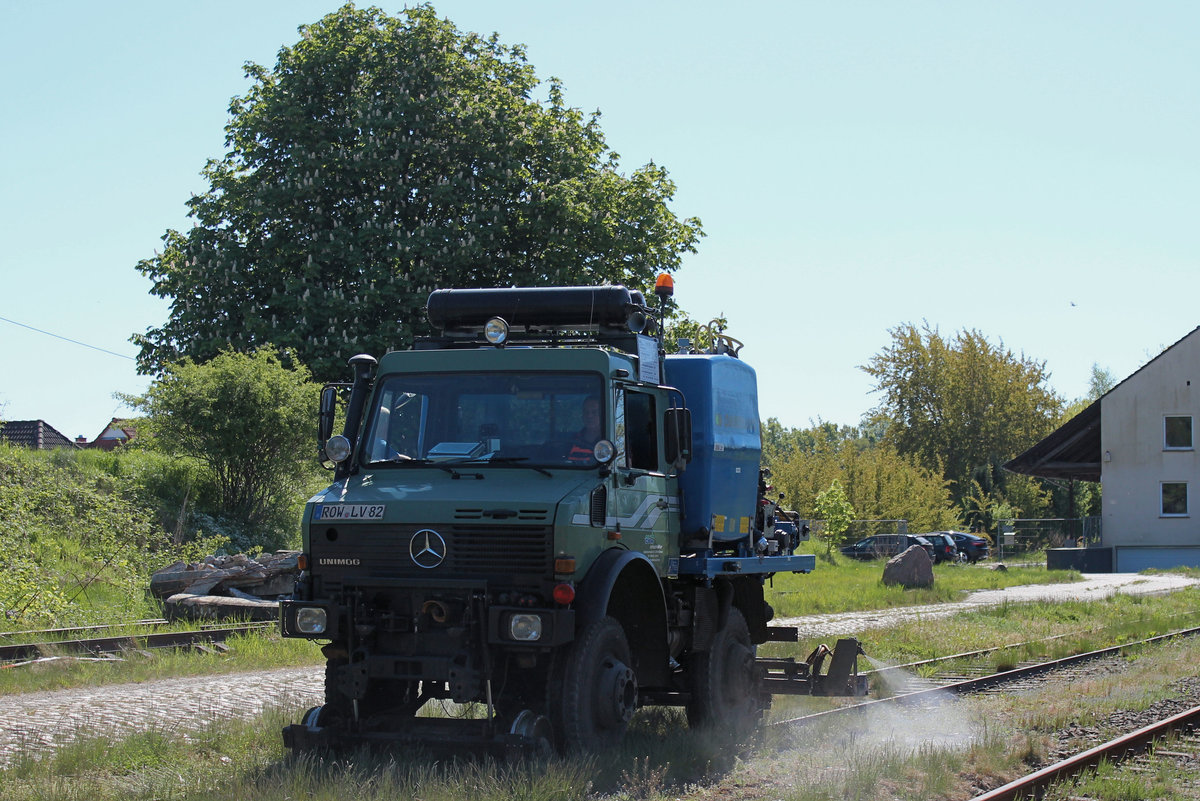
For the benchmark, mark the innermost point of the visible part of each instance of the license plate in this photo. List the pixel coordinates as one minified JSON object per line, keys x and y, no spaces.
{"x":349,"y":511}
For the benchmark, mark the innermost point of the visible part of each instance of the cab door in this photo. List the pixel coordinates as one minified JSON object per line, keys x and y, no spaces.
{"x":646,"y":497}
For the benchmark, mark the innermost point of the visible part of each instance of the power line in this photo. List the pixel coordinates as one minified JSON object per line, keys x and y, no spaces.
{"x":68,"y":339}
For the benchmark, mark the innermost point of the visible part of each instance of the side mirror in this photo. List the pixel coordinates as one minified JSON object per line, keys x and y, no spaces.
{"x":327,"y":414}
{"x":677,"y":436}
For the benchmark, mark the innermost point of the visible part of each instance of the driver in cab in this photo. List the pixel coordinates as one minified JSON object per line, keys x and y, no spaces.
{"x":584,"y":440}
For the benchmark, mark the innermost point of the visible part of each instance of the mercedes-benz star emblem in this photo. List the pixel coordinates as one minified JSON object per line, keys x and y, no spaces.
{"x":427,"y":548}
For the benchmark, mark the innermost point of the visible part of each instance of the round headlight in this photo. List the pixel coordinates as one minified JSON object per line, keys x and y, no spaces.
{"x":337,"y":448}
{"x":311,"y":620}
{"x":525,"y":628}
{"x":604,"y":451}
{"x":496,"y":331}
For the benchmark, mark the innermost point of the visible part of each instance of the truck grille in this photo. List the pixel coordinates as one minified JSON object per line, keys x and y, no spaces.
{"x":524,"y":515}
{"x":509,"y":556}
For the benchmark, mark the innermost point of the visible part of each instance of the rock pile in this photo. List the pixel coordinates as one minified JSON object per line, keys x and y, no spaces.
{"x":224,"y":586}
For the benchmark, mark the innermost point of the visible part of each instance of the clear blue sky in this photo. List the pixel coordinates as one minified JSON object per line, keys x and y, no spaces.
{"x":1027,"y":169}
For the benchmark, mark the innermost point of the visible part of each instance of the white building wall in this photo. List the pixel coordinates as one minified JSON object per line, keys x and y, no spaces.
{"x":1135,"y":460}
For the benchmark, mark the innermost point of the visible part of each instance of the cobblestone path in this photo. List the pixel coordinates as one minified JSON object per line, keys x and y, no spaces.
{"x":41,"y":720}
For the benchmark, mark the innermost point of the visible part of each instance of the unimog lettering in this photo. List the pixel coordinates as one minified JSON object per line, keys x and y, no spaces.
{"x":541,"y":514}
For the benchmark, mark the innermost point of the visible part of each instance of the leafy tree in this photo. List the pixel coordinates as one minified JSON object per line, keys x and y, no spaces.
{"x":781,"y":443}
{"x":1028,"y":496}
{"x":961,"y":404}
{"x":247,"y":418}
{"x":984,"y":510}
{"x":879,"y":482}
{"x":1100,"y":382}
{"x":834,"y":508}
{"x":702,"y":337}
{"x":381,"y":158}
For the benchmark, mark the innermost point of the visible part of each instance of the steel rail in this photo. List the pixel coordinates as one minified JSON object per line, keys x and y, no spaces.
{"x":1133,"y":743}
{"x":77,"y":630}
{"x":102,"y":645}
{"x":982,"y":682}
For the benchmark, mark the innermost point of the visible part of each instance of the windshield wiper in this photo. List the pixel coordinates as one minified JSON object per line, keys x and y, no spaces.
{"x":517,"y":461}
{"x":408,"y":460}
{"x":448,"y":466}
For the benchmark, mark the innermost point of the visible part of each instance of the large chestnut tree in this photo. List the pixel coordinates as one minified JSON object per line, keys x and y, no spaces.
{"x":383,"y":157}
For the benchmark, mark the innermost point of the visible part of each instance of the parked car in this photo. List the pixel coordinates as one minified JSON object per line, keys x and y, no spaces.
{"x":879,"y":546}
{"x":972,"y":546}
{"x":945,"y":549}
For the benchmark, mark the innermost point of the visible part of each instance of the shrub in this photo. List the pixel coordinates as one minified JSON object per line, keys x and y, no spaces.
{"x":76,"y":546}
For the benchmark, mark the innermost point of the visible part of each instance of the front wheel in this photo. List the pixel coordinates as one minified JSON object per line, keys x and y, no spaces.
{"x":724,"y":682}
{"x":596,"y":692}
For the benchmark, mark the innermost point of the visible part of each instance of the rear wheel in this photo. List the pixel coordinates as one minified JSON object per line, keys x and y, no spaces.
{"x":724,"y":683}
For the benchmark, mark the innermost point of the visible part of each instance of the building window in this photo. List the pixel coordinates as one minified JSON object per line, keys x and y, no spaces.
{"x":1177,"y":432}
{"x":1174,"y":499}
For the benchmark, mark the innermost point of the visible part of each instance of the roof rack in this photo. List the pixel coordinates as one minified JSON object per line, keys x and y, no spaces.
{"x":577,"y":316}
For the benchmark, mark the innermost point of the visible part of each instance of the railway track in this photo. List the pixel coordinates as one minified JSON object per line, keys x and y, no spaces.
{"x":141,"y":635}
{"x":1137,"y":745}
{"x":908,"y":689}
{"x":921,"y":696}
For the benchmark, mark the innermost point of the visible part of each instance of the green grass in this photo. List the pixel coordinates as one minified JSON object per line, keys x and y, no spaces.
{"x":850,"y":585}
{"x":246,"y":759}
{"x":1083,"y":626}
{"x":660,"y":759}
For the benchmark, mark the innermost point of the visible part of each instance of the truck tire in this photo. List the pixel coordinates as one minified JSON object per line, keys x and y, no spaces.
{"x":723,"y":680}
{"x":596,"y":692}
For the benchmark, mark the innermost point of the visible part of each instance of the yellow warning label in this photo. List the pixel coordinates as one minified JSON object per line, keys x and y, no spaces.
{"x":718,"y":523}
{"x":745,"y":525}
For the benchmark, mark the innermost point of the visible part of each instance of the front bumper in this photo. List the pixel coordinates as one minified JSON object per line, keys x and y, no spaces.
{"x":557,"y":625}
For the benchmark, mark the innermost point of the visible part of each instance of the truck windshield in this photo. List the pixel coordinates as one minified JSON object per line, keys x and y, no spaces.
{"x":528,"y":418}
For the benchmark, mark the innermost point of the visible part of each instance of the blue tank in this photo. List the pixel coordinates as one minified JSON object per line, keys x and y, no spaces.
{"x":720,"y":485}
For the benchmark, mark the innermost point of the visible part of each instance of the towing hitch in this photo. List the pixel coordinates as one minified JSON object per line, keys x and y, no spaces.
{"x":789,"y":677}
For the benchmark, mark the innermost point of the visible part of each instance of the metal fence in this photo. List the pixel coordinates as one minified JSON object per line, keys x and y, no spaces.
{"x":1019,"y":537}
